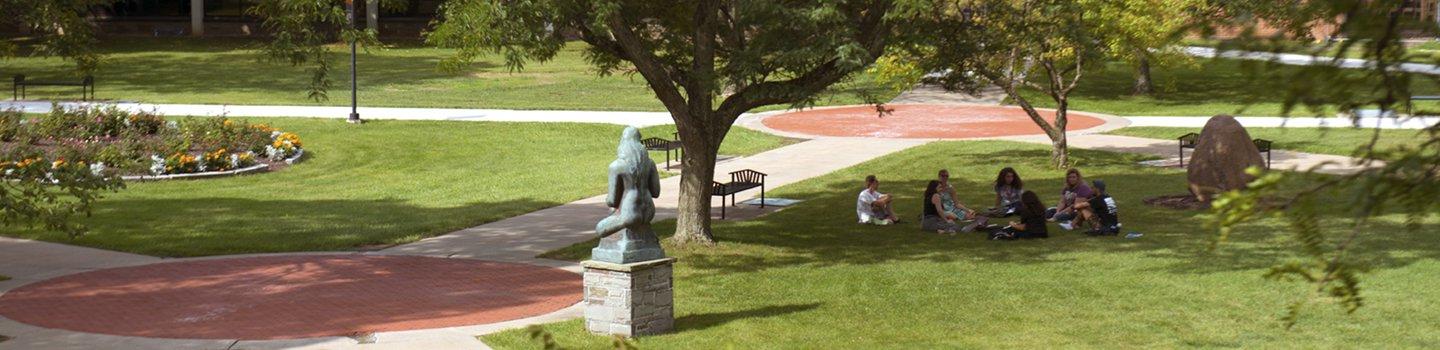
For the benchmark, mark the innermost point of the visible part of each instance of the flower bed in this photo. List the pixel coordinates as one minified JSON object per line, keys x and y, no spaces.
{"x":145,"y":146}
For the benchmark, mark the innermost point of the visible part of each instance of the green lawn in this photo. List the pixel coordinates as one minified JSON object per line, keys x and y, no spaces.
{"x":1338,"y":141}
{"x":1209,"y":87}
{"x":808,"y":277}
{"x":385,"y":182}
{"x":228,"y":71}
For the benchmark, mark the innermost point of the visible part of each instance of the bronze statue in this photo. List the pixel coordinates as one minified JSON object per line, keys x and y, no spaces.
{"x":634,"y":183}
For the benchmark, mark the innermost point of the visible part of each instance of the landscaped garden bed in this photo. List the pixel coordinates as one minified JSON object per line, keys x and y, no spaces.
{"x":143,"y":145}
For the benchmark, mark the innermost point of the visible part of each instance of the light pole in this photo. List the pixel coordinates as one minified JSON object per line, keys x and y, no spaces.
{"x":354,"y":103}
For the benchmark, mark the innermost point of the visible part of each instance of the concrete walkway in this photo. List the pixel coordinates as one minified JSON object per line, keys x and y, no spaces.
{"x":1305,"y":60}
{"x":1293,"y":122}
{"x":639,"y":119}
{"x":1168,"y":151}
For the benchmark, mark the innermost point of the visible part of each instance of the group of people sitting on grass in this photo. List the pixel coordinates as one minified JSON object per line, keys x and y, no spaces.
{"x":943,"y":213}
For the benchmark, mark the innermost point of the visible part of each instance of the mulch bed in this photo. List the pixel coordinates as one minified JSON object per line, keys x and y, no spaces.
{"x":1178,"y":202}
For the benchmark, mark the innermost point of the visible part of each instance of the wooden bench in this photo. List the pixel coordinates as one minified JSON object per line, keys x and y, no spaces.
{"x":739,"y":181}
{"x":659,"y":144}
{"x":1189,"y":140}
{"x":86,"y":84}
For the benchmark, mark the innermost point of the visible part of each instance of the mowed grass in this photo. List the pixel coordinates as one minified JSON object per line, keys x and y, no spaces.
{"x":403,"y":74}
{"x":1337,"y":141}
{"x":808,"y":277}
{"x":372,"y":185}
{"x":1205,"y":88}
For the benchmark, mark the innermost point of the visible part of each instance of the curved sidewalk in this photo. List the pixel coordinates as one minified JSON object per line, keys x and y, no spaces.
{"x":638,"y":119}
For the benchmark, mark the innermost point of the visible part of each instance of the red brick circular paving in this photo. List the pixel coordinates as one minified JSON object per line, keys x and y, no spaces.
{"x":920,"y":121}
{"x":286,"y":297}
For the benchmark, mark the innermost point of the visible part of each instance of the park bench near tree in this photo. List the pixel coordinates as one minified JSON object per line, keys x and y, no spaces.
{"x":86,"y":84}
{"x":1189,"y":140}
{"x":739,"y":181}
{"x":659,"y":144}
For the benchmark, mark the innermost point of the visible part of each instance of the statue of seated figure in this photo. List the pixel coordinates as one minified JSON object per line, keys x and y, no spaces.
{"x":625,"y":235}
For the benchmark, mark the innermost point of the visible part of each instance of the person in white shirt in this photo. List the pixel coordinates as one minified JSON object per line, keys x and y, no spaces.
{"x":874,"y":207}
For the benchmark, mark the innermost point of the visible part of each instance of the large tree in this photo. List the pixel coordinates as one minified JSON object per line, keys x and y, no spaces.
{"x":707,"y":61}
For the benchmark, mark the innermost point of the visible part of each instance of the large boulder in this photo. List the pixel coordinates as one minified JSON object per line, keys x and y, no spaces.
{"x":1222,"y":153}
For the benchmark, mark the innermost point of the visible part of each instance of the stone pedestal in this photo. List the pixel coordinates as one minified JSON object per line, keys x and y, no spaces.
{"x":629,"y":299}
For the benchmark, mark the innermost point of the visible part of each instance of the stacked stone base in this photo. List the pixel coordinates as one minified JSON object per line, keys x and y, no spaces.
{"x":629,"y":299}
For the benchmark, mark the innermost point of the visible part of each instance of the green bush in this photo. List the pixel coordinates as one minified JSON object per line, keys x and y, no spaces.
{"x":10,"y":124}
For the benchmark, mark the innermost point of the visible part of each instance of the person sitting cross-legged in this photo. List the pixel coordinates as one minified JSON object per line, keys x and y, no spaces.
{"x":934,"y":217}
{"x":872,"y":206}
{"x":1075,"y":191}
{"x":1101,"y":212}
{"x":951,"y":207}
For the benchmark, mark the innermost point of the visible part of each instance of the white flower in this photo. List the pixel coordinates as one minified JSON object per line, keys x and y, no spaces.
{"x":98,"y":168}
{"x":235,"y":160}
{"x":200,"y":163}
{"x":274,"y":135}
{"x":172,"y":124}
{"x":157,"y":165}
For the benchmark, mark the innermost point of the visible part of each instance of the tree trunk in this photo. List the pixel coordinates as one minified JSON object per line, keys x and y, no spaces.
{"x":1143,"y":83}
{"x":1060,"y":151}
{"x":693,"y":222}
{"x":1059,"y":140}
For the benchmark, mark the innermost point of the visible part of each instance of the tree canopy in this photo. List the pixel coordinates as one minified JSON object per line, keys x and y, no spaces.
{"x":707,"y":61}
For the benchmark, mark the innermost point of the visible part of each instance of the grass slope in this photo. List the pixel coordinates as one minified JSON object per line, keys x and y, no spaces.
{"x":808,"y":277}
{"x":229,"y":71}
{"x":386,"y":182}
{"x":1337,"y":141}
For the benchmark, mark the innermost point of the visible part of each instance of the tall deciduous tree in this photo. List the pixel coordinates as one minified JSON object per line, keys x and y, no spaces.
{"x":1143,"y":33}
{"x":707,"y":61}
{"x":1045,"y":45}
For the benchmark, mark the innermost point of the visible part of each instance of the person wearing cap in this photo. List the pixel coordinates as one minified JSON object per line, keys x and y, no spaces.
{"x":1100,"y":211}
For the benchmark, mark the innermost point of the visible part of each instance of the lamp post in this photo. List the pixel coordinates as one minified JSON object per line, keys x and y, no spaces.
{"x":354,"y":104}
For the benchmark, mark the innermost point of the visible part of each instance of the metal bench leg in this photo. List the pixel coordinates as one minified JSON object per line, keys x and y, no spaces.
{"x":722,"y":207}
{"x":762,"y":195}
{"x":1182,"y":156}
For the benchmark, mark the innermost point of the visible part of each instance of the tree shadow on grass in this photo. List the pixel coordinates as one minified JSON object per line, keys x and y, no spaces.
{"x":821,"y":231}
{"x":695,"y":322}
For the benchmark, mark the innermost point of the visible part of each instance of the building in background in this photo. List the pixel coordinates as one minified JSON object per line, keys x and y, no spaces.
{"x":219,"y":18}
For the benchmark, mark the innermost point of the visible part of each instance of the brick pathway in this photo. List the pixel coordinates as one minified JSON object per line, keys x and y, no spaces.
{"x":932,"y":121}
{"x":287,"y":297}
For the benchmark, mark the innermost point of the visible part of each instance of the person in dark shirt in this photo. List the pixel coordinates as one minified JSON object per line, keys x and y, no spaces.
{"x":935,"y":219}
{"x":1101,"y":212}
{"x":1032,"y":220}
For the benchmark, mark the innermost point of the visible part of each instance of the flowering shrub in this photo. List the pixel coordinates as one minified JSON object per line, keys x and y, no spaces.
{"x":113,"y":140}
{"x":181,"y":163}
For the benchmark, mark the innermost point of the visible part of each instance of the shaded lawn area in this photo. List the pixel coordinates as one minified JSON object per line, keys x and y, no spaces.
{"x":1207,"y":88}
{"x":809,"y":277}
{"x":382,"y":183}
{"x":1337,"y":141}
{"x":404,"y":74}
